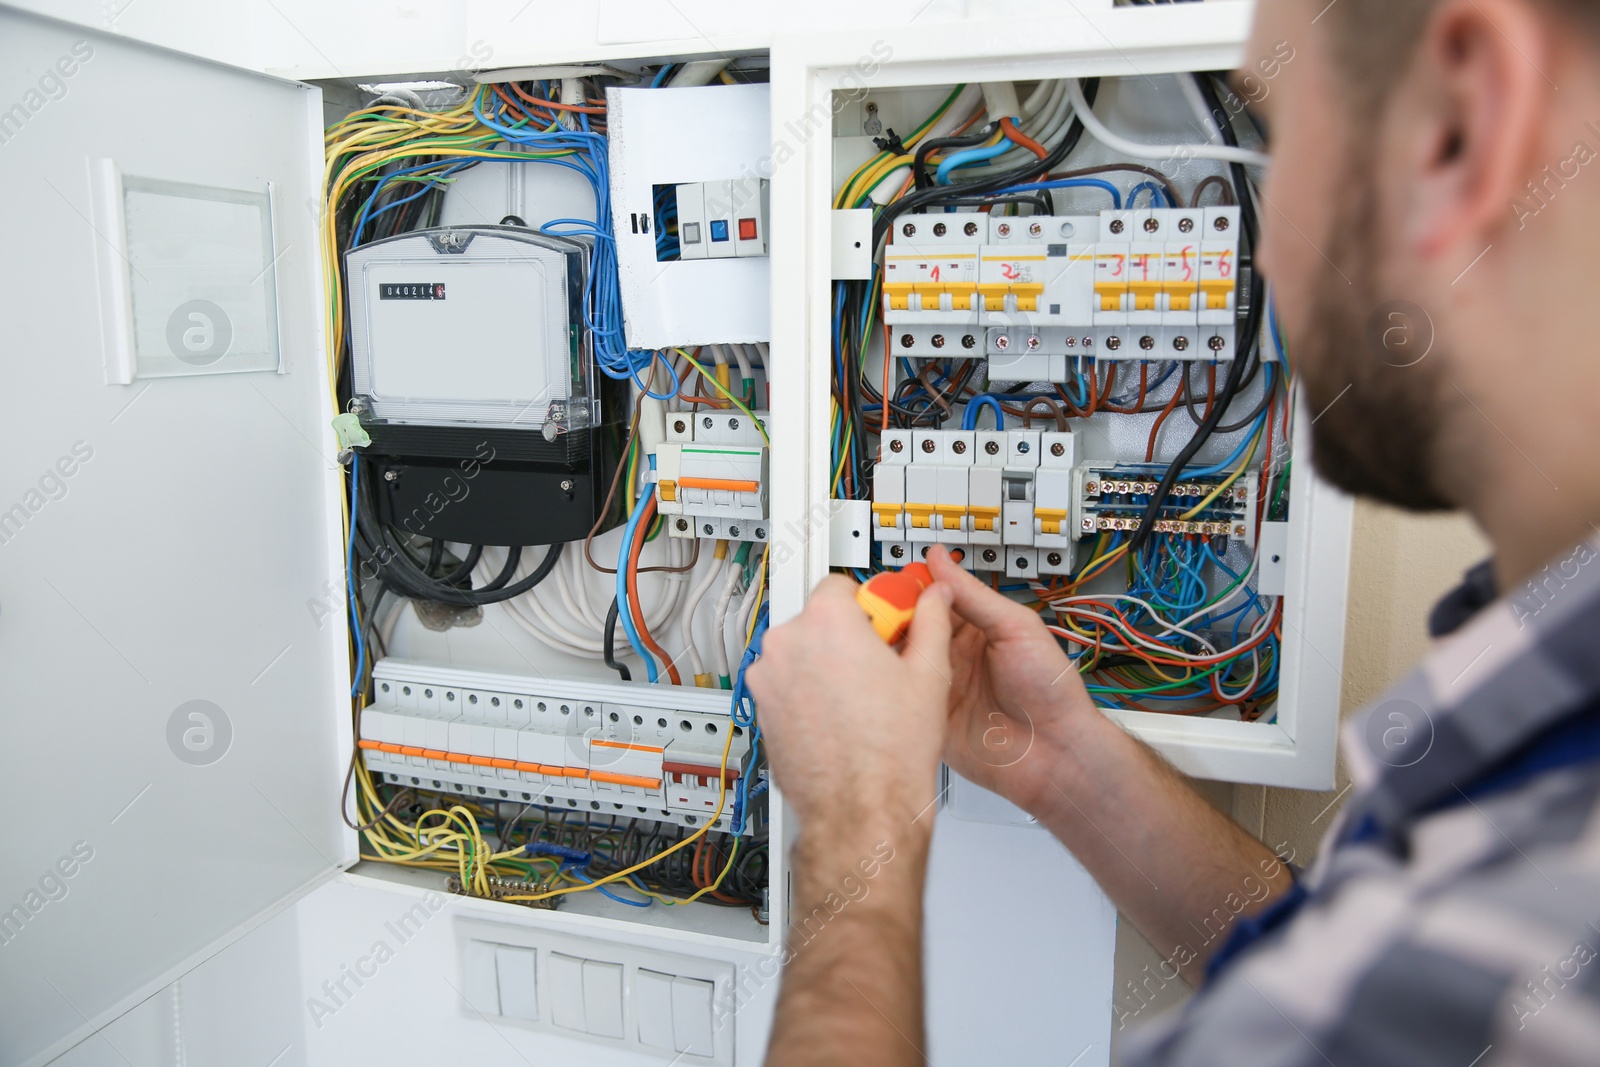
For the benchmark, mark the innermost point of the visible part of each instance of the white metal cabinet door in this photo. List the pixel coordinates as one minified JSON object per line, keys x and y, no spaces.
{"x":162,"y":542}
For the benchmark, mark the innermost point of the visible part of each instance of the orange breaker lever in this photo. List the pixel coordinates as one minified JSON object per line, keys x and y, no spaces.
{"x":890,"y":598}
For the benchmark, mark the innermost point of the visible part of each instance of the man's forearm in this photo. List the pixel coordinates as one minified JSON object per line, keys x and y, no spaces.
{"x":1181,"y":870}
{"x":854,"y":952}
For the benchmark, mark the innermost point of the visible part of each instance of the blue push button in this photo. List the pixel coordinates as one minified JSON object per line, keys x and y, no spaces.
{"x":719,"y":230}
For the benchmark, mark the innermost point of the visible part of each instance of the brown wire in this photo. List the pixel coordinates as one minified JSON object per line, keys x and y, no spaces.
{"x":344,"y":792}
{"x":1228,"y":199}
{"x":1054,"y":411}
{"x":605,"y":509}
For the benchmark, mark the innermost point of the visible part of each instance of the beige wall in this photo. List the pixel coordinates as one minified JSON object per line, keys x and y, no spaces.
{"x":1400,"y":564}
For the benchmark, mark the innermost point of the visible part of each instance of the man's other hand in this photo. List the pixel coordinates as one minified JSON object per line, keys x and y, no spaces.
{"x":855,"y":728}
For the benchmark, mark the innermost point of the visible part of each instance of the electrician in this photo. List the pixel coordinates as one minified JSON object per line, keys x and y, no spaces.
{"x":1430,"y":160}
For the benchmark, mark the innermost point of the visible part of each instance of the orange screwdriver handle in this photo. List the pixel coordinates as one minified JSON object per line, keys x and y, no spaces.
{"x":890,"y":599}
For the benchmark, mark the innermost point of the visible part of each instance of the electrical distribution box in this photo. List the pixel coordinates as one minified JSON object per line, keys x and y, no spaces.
{"x":189,"y":573}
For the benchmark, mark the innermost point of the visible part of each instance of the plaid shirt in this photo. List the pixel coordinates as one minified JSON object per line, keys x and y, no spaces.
{"x":1453,"y":915}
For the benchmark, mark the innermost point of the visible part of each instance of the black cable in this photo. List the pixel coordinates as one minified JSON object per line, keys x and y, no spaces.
{"x":920,"y":197}
{"x":606,"y":643}
{"x":463,"y":569}
{"x":1247,"y":341}
{"x":1034,"y":200}
{"x":919,"y":170}
{"x":400,"y":571}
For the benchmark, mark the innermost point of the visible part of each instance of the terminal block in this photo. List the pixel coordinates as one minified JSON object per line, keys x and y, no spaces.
{"x":589,"y":747}
{"x":711,"y":476}
{"x":1111,"y":498}
{"x":1035,"y":294}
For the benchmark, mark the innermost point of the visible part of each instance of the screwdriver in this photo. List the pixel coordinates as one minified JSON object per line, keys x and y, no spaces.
{"x":890,"y":598}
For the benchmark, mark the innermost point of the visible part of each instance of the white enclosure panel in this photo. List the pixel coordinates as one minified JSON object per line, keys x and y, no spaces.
{"x":419,"y":1007}
{"x":1018,"y":971}
{"x":709,"y":133}
{"x":172,"y":652}
{"x":1130,"y":42}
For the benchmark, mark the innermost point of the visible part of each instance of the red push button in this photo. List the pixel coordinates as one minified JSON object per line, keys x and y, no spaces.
{"x":747,"y":229}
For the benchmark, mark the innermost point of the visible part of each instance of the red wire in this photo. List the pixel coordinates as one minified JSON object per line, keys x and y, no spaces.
{"x":1017,"y":137}
{"x":633,"y":590}
{"x":552,"y":104}
{"x":1135,"y":649}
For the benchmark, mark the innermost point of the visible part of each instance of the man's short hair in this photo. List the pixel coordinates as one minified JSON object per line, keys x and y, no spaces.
{"x":1374,"y":41}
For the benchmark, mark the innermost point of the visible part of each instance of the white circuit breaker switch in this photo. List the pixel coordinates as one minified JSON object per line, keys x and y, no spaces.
{"x":693,"y":241}
{"x":1219,"y":266}
{"x":750,"y":199}
{"x":1180,"y":268}
{"x":889,"y":502}
{"x":721,"y":223}
{"x":985,"y":488}
{"x":1052,"y":490}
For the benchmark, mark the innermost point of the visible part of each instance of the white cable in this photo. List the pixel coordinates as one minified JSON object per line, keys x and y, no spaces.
{"x":1197,"y":103}
{"x":540,"y":623}
{"x":1048,"y":132}
{"x":1036,"y":99}
{"x":1064,"y":604}
{"x":1097,"y":129}
{"x":764,"y":353}
{"x":719,"y":618}
{"x":752,"y":599}
{"x":743,"y":359}
{"x":1256,"y":630}
{"x":686,"y":620}
{"x":697,"y":72}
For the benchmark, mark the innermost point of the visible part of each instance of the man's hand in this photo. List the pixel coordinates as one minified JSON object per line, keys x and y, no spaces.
{"x":1012,"y":690}
{"x":853,"y":727}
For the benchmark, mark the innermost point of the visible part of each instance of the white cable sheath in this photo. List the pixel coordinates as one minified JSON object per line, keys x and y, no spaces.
{"x":1000,"y":100}
{"x":1098,"y":130}
{"x":697,"y":72}
{"x":719,"y":618}
{"x":686,"y":620}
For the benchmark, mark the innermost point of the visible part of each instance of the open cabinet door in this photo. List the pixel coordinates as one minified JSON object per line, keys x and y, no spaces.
{"x":174,"y":726}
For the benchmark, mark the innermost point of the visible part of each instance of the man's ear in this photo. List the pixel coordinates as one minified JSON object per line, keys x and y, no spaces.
{"x":1476,"y":120}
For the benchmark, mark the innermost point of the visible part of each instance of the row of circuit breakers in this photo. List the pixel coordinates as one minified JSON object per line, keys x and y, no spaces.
{"x":723,"y":219}
{"x":1029,"y":292}
{"x":591,"y":747}
{"x":1020,"y":499}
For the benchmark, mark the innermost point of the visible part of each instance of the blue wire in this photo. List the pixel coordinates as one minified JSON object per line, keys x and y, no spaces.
{"x":624,"y":616}
{"x":970,"y":157}
{"x":606,"y":893}
{"x":661,"y":75}
{"x":1066,"y":183}
{"x":969,"y":418}
{"x":602,"y":292}
{"x":1158,"y":195}
{"x":350,"y":574}
{"x":742,"y":712}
